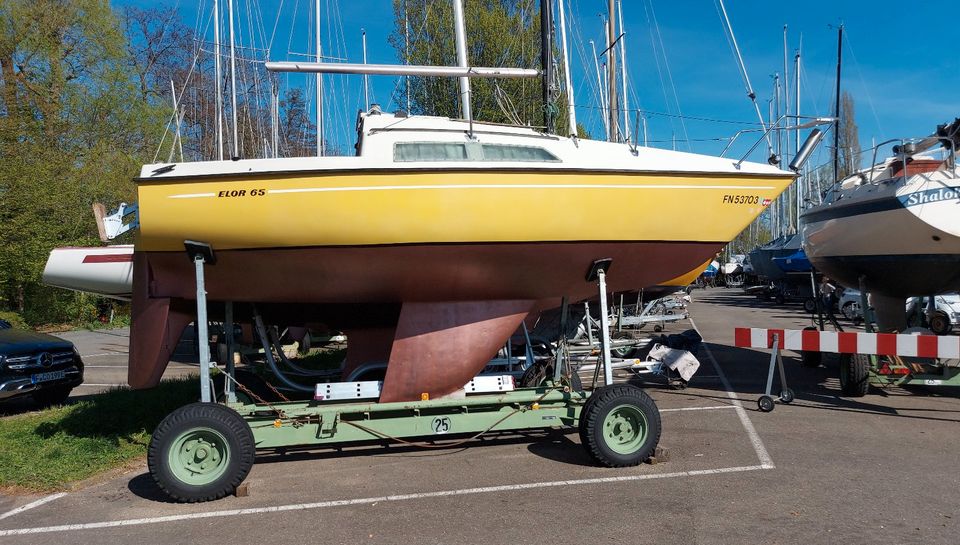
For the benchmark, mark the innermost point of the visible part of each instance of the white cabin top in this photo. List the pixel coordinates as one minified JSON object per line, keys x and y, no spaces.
{"x":401,"y":142}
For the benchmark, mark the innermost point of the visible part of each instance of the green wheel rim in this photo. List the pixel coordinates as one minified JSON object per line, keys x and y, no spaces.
{"x":625,"y":429}
{"x":199,"y":456}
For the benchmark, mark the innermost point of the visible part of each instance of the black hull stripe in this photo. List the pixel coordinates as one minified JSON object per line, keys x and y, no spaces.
{"x":502,"y":243}
{"x":836,"y":211}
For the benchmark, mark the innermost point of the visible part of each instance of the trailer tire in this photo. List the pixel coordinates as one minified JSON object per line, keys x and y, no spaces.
{"x":940,"y":323}
{"x":854,"y":374}
{"x":810,"y":305}
{"x":201,"y":452}
{"x":620,"y":426}
{"x":765,"y":404}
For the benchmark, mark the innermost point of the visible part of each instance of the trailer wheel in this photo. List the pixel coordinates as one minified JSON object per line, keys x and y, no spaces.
{"x":201,"y":452}
{"x":765,"y":403}
{"x":854,"y":374}
{"x":622,"y":352}
{"x":620,"y":426}
{"x":810,"y":305}
{"x":787,"y":396}
{"x":940,"y":323}
{"x":810,"y":358}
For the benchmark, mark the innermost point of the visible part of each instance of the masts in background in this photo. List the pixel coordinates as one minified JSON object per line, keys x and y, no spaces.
{"x":786,"y":97}
{"x":603,"y":97}
{"x":461,"y":41}
{"x":366,"y":78}
{"x":178,"y":119}
{"x":233,"y":84}
{"x":321,"y":151}
{"x":568,"y":79}
{"x":796,"y":131}
{"x":546,"y":63}
{"x":218,"y":77}
{"x":612,"y":73}
{"x":836,"y":108}
{"x":623,"y":73}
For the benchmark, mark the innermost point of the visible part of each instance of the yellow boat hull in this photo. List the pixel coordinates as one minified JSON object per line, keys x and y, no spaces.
{"x":388,"y":208}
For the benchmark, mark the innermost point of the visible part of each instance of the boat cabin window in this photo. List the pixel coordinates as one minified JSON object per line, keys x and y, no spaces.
{"x":469,"y":151}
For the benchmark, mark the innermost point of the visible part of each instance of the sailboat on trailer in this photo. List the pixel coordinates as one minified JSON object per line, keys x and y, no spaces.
{"x":432,"y":244}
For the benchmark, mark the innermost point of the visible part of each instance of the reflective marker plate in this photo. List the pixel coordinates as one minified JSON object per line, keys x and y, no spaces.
{"x":47,"y":377}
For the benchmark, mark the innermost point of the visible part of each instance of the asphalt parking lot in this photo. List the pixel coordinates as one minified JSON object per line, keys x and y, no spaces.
{"x":824,"y":469}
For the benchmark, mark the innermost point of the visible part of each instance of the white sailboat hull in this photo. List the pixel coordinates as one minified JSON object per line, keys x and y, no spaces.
{"x":106,"y":271}
{"x":902,"y":236}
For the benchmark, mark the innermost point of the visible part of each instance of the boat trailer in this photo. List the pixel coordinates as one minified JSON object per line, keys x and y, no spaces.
{"x":867,"y":359}
{"x":204,"y":451}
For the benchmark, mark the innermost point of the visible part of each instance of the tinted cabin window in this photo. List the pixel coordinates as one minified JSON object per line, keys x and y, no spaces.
{"x":443,"y":151}
{"x":495,"y":152}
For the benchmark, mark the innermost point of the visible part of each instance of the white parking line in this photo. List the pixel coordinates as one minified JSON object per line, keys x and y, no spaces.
{"x":765,"y":461}
{"x":95,"y":385}
{"x":368,"y":501}
{"x":104,"y":354}
{"x":31,"y":505}
{"x":713,"y":408}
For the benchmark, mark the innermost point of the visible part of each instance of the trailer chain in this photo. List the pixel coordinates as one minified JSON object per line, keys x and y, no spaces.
{"x":281,"y":415}
{"x":271,"y":386}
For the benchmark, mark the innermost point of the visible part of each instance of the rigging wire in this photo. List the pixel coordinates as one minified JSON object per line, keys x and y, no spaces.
{"x":866,"y":88}
{"x":658,"y":52}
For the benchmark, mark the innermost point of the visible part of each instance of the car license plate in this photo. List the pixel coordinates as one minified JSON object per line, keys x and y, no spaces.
{"x":47,"y":377}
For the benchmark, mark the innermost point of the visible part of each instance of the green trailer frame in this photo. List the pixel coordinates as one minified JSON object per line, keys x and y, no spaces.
{"x":319,"y":424}
{"x":204,"y":450}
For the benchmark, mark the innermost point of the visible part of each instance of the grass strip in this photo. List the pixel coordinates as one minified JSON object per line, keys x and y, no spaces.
{"x":49,"y":449}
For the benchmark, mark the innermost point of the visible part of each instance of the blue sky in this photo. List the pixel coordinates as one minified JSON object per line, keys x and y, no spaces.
{"x":898,"y":64}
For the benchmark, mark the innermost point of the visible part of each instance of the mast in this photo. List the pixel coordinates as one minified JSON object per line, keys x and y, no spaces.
{"x":546,"y":63}
{"x":406,"y":51}
{"x":275,"y":117}
{"x":836,"y":108}
{"x":461,"y":36}
{"x":623,"y":73}
{"x":320,"y":129}
{"x":366,"y":78}
{"x":218,"y":77}
{"x":568,"y":79}
{"x":612,"y":73}
{"x":233,"y":84}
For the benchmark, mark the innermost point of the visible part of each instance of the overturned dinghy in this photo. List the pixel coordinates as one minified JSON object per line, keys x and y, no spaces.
{"x":104,"y":271}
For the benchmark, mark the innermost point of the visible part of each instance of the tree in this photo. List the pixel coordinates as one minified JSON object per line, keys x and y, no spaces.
{"x":500,"y":33}
{"x":72,"y":132}
{"x":849,"y":152}
{"x":298,"y":134}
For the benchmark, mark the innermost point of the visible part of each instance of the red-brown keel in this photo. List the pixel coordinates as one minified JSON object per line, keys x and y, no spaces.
{"x":439,"y":347}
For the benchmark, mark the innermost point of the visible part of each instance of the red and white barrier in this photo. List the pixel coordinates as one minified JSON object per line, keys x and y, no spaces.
{"x":881,"y":344}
